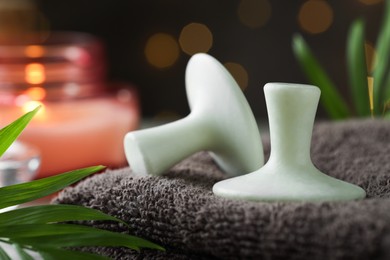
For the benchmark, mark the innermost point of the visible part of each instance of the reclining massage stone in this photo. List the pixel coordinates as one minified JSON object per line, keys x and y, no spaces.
{"x":289,"y":174}
{"x":220,"y":121}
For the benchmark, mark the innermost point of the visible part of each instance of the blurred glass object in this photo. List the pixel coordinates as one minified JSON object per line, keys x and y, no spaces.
{"x":19,"y":164}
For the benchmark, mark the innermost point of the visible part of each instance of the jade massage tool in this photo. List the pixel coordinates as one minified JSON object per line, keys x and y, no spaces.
{"x":289,"y":174}
{"x":220,"y":122}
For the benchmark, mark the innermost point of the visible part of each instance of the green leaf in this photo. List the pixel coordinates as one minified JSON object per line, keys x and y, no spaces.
{"x":387,"y":88}
{"x":382,"y":63}
{"x":32,"y":228}
{"x":357,"y":68}
{"x":9,"y":133}
{"x":24,"y":192}
{"x":68,"y":235}
{"x":330,"y":97}
{"x":4,"y":255}
{"x":35,"y":230}
{"x":23,"y":254}
{"x":62,"y":254}
{"x":52,"y":213}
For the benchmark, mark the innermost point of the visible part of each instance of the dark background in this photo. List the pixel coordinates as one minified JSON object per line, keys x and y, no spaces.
{"x":265,"y":52}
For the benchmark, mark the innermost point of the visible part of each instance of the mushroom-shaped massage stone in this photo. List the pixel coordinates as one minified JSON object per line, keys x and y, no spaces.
{"x":220,"y":122}
{"x":289,"y":174}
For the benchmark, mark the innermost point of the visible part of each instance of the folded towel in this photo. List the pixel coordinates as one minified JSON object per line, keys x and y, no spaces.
{"x":180,"y":212}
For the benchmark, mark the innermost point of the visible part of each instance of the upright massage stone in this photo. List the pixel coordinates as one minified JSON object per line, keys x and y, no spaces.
{"x":220,"y":121}
{"x":289,"y":175}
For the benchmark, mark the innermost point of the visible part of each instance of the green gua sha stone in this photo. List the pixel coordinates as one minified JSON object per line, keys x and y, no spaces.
{"x":220,"y":122}
{"x":289,"y":175}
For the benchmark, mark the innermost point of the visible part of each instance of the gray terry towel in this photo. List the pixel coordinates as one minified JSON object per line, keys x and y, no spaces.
{"x":180,"y":212}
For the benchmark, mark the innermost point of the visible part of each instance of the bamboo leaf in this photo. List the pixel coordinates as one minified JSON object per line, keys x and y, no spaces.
{"x":357,"y":68}
{"x":24,"y":192}
{"x":52,"y":213}
{"x":330,"y":97}
{"x":62,"y":254}
{"x":23,"y":254}
{"x":4,"y":255}
{"x":382,"y":63}
{"x":9,"y":133}
{"x":68,"y":235}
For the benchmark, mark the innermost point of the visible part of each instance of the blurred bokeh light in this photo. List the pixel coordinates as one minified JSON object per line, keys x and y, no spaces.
{"x":150,"y":42}
{"x":195,"y":37}
{"x":315,"y":16}
{"x":239,"y":74}
{"x":35,"y":73}
{"x":254,"y":13}
{"x":34,"y":51}
{"x":161,"y":50}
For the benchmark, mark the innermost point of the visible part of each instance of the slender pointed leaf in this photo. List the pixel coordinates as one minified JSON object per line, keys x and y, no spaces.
{"x":68,"y":235}
{"x":4,"y":255}
{"x":76,"y":240}
{"x":24,"y":192}
{"x":383,"y":62}
{"x":9,"y":133}
{"x":62,"y":254}
{"x":23,"y":254}
{"x":52,"y":213}
{"x":330,"y":98}
{"x":357,"y":68}
{"x":387,"y":87}
{"x":34,"y":230}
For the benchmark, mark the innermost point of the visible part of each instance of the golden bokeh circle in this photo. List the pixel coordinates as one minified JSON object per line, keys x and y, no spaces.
{"x":195,"y":38}
{"x":162,"y":50}
{"x":239,"y":73}
{"x":315,"y":16}
{"x":254,"y":13}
